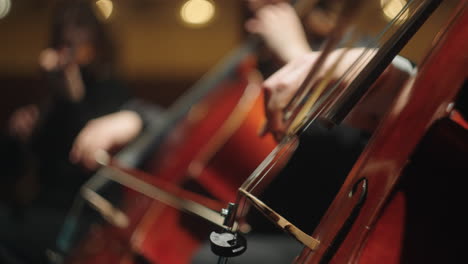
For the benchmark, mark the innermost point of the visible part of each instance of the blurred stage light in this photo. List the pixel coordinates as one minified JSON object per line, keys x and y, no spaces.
{"x":5,"y":6}
{"x":197,"y":12}
{"x":105,"y":7}
{"x":392,"y":8}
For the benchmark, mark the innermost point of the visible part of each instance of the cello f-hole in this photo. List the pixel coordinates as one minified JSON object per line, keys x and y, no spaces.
{"x":362,"y":184}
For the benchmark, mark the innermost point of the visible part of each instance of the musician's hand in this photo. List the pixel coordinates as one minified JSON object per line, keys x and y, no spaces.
{"x":279,"y":90}
{"x":54,"y":60}
{"x":281,"y":29}
{"x":23,"y":121}
{"x":107,"y":133}
{"x":281,"y":87}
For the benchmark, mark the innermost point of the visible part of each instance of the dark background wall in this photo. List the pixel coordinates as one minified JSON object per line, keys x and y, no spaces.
{"x":159,"y":57}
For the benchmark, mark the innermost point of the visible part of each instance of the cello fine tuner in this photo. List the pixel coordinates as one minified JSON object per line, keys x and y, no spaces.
{"x":450,"y":107}
{"x":227,"y":244}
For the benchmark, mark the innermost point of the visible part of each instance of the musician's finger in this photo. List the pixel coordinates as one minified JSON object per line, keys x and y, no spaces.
{"x":49,"y":59}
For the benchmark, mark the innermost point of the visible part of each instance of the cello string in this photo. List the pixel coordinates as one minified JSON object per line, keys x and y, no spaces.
{"x":332,"y":41}
{"x":307,"y":86}
{"x":393,"y":43}
{"x":349,"y":91}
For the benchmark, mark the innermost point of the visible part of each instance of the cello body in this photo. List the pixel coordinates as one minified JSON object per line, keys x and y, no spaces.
{"x":207,"y":151}
{"x":401,"y":202}
{"x":210,"y":151}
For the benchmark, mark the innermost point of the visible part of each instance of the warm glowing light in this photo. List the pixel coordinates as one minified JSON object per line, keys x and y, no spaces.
{"x":197,"y":12}
{"x":105,"y":7}
{"x":5,"y":6}
{"x":392,"y":9}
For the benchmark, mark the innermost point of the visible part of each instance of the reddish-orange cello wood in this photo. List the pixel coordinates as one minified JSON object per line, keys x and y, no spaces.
{"x":378,"y":232}
{"x":429,"y":197}
{"x":227,"y":167}
{"x":194,"y":152}
{"x":229,"y":163}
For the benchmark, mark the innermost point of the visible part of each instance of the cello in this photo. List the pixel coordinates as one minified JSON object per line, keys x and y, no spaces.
{"x":385,"y":210}
{"x":387,"y":227}
{"x":201,"y":131}
{"x":197,"y":152}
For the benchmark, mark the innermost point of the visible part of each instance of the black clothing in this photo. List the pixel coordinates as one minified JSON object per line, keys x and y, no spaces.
{"x":301,"y":193}
{"x":63,"y":121}
{"x":462,"y":100}
{"x":306,"y":186}
{"x":27,"y":231}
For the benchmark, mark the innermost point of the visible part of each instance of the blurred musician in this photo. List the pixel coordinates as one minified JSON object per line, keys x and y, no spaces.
{"x":79,"y":65}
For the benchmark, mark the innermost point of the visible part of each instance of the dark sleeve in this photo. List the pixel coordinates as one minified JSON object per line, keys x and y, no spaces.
{"x":314,"y":174}
{"x":104,"y":97}
{"x":461,"y":103}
